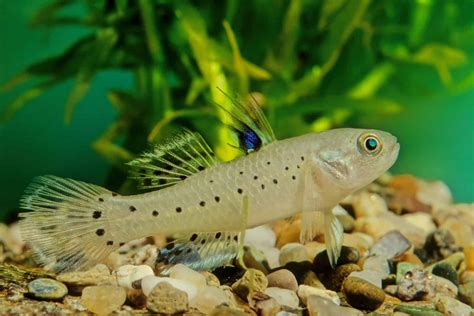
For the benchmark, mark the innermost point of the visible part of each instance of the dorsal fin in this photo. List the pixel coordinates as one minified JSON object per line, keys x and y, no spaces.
{"x":199,"y":251}
{"x":249,"y":123}
{"x":178,"y":158}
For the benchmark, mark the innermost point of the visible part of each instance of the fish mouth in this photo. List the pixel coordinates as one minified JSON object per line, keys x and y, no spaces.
{"x":395,"y":150}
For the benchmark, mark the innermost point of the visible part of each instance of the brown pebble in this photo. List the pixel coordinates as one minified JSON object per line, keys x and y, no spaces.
{"x":362,"y":294}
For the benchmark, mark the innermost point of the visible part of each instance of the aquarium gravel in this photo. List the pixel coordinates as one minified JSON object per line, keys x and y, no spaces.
{"x":407,"y":248}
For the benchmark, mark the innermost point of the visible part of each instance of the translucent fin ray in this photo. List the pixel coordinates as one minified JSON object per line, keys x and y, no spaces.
{"x":312,"y":223}
{"x":173,"y":161}
{"x":199,"y":251}
{"x":62,"y":229}
{"x":249,"y":123}
{"x":333,"y":236}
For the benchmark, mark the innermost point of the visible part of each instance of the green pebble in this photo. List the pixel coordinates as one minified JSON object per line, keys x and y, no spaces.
{"x":445,"y":270}
{"x":47,"y":289}
{"x":417,"y":310}
{"x":402,"y":268}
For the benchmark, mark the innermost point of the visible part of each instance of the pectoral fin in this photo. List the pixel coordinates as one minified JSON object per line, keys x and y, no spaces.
{"x":312,"y":224}
{"x":333,"y":235}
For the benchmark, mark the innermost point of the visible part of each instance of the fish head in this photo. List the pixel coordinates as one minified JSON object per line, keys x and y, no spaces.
{"x":349,"y":159}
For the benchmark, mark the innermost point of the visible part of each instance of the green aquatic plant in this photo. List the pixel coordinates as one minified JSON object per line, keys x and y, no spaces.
{"x":312,"y":65}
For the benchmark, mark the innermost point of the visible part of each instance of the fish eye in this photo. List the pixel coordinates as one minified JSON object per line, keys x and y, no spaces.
{"x":370,"y":144}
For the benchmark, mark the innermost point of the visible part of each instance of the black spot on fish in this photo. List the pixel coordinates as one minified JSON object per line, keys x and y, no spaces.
{"x":218,"y":235}
{"x":179,"y":209}
{"x":263,"y":186}
{"x":203,"y":242}
{"x":202,"y":203}
{"x":189,"y":250}
{"x":182,"y":177}
{"x":236,"y":237}
{"x":162,"y":181}
{"x":170,"y":246}
{"x":132,"y":208}
{"x":286,"y":168}
{"x":275,"y":181}
{"x":217,"y":199}
{"x":293,"y":177}
{"x":241,"y":172}
{"x":96,"y":214}
{"x":193,"y":237}
{"x":211,"y":181}
{"x":178,"y":252}
{"x":114,"y":194}
{"x":155,"y":213}
{"x":110,"y":243}
{"x":302,"y":158}
{"x":147,"y":182}
{"x":121,"y":244}
{"x":268,"y":162}
{"x":239,"y":190}
{"x":100,"y":232}
{"x":297,"y":166}
{"x":201,"y":168}
{"x":101,"y":200}
{"x":255,"y":177}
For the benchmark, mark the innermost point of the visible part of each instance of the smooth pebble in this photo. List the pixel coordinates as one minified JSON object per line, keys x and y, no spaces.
{"x":208,"y":298}
{"x":128,"y":274}
{"x":362,"y":294}
{"x":283,"y":296}
{"x":182,"y":272}
{"x":371,"y":276}
{"x":260,"y":237}
{"x":293,"y":252}
{"x":390,"y":245}
{"x":369,"y":204}
{"x":305,"y":291}
{"x":282,"y":278}
{"x":452,"y":307}
{"x":47,"y":289}
{"x":318,"y":306}
{"x":103,"y":299}
{"x":421,"y":220}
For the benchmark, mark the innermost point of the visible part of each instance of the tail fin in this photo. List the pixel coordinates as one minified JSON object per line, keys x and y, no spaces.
{"x":69,"y":226}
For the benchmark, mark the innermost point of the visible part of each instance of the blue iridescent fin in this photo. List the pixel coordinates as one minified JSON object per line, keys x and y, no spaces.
{"x":199,"y":251}
{"x":249,"y":123}
{"x":173,"y":161}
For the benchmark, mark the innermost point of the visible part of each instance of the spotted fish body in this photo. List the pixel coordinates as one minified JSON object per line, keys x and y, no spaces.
{"x":75,"y":224}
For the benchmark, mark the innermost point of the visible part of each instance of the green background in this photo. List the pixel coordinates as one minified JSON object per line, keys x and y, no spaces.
{"x":436,"y":133}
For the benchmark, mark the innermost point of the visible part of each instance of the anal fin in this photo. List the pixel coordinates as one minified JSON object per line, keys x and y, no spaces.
{"x":199,"y":251}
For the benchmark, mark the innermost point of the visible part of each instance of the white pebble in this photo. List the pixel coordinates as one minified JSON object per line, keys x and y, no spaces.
{"x":182,"y":272}
{"x":305,"y":291}
{"x":260,"y":237}
{"x":208,"y":298}
{"x":421,"y":220}
{"x":127,"y":274}
{"x":149,"y":282}
{"x":273,"y":256}
{"x":369,"y":204}
{"x":283,"y":296}
{"x":372,"y":276}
